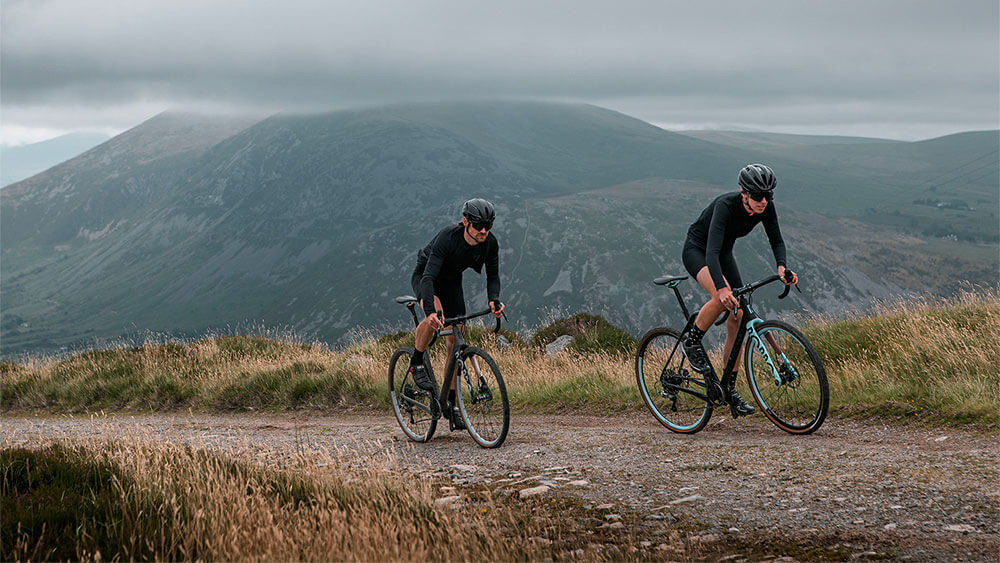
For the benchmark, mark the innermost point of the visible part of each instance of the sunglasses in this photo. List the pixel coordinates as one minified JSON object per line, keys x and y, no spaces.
{"x":759,"y":196}
{"x":481,"y":225}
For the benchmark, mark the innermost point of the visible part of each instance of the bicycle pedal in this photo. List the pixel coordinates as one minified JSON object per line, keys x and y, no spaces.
{"x":736,"y":413}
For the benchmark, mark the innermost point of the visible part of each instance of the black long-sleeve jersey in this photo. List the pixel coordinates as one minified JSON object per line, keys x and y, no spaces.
{"x":725,"y":220}
{"x":448,"y":255}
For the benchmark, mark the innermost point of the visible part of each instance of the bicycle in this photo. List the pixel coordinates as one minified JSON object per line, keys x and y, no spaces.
{"x":784,"y":372}
{"x":481,"y":393}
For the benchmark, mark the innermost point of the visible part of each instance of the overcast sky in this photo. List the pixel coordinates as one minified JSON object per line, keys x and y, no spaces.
{"x":904,"y":69}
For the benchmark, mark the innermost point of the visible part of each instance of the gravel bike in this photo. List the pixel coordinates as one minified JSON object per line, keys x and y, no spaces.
{"x":481,"y":393}
{"x":784,"y":372}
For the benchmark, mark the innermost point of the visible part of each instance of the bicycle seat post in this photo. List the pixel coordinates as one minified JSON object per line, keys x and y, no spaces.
{"x":680,"y":300}
{"x":413,"y":312}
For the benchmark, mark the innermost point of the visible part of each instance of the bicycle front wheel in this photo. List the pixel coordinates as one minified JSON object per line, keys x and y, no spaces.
{"x":412,"y":405}
{"x":674,"y":393}
{"x":787,"y":378}
{"x":483,"y":398}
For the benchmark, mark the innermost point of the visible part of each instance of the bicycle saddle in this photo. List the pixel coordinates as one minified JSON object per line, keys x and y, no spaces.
{"x":406,"y":300}
{"x":672,"y":280}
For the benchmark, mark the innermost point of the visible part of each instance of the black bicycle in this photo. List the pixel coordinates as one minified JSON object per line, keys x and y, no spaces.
{"x":785,"y":374}
{"x":481,"y":393}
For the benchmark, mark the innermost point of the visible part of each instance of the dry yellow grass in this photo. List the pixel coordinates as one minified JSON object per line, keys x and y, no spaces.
{"x":933,"y":358}
{"x":177,"y":502}
{"x":923,"y":357}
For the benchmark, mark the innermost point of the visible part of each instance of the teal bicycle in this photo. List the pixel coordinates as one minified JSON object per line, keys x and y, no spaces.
{"x":785,"y":374}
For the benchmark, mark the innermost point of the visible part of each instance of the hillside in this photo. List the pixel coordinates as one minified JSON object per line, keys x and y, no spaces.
{"x":937,"y":188}
{"x":187,"y":224}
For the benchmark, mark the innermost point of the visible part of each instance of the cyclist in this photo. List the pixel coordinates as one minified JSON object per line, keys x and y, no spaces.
{"x":708,"y":257}
{"x":437,"y":282}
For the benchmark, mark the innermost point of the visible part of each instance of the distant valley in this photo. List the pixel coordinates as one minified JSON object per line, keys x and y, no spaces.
{"x":24,"y":161}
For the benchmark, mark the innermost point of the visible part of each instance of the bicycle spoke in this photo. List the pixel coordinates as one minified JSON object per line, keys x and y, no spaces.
{"x":787,"y":379}
{"x":673,"y":392}
{"x":412,"y":406}
{"x":483,"y":398}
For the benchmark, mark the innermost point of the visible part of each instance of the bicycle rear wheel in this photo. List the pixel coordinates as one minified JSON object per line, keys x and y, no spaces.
{"x":482,"y":399}
{"x":674,"y":393}
{"x":411,"y":404}
{"x":787,"y":378}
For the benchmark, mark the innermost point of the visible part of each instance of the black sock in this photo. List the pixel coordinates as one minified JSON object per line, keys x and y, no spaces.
{"x":417,"y":358}
{"x":695,"y":335}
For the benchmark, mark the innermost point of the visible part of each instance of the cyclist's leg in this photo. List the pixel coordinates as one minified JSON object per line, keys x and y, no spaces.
{"x":450,"y":342}
{"x":733,"y":279}
{"x":737,"y":405}
{"x":424,"y":333}
{"x":694,"y":350}
{"x":696,"y":265}
{"x":456,"y":419}
{"x":453,"y":303}
{"x":711,"y":310}
{"x":732,"y":328}
{"x":424,"y":330}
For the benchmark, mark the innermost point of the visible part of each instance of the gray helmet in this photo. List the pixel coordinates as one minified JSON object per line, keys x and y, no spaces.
{"x":757,"y":178}
{"x":479,"y":210}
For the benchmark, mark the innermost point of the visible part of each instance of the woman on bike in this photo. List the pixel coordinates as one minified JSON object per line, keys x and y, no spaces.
{"x":708,"y":257}
{"x":437,"y":282}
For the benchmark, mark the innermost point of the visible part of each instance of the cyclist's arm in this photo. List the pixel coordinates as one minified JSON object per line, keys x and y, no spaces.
{"x":770,"y":221}
{"x":713,"y":247}
{"x":431,"y":271}
{"x":493,"y":270}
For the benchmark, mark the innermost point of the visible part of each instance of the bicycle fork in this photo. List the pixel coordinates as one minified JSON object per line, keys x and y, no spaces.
{"x":784,"y":375}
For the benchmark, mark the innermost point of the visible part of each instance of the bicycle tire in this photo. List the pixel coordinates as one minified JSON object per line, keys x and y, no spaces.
{"x":796,"y":397}
{"x":486,"y":418}
{"x":412,"y":406}
{"x":667,"y":386}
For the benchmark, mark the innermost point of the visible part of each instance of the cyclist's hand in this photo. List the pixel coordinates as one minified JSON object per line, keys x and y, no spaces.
{"x":436,"y":319}
{"x":497,"y":307}
{"x":787,"y":276}
{"x":725,"y":297}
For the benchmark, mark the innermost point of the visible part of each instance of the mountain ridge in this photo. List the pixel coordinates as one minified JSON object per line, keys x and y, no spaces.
{"x":309,"y":222}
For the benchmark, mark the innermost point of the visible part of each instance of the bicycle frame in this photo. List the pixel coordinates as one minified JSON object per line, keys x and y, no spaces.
{"x":458,"y":347}
{"x":452,"y":364}
{"x":746,"y":329}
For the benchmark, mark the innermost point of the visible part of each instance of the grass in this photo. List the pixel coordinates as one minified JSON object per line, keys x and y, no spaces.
{"x":132,"y":497}
{"x":933,"y":360}
{"x":591,"y":334}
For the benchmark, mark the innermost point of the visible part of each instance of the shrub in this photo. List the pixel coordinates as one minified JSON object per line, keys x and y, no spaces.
{"x":591,"y":334}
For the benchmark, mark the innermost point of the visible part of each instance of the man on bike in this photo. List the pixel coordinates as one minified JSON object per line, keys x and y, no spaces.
{"x":708,"y":257}
{"x":437,"y":282}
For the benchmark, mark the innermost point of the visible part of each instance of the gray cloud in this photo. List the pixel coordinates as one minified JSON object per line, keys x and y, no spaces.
{"x":898,"y":68}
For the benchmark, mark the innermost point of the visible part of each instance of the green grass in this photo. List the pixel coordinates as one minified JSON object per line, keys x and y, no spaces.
{"x":591,"y":334}
{"x":928,"y":360}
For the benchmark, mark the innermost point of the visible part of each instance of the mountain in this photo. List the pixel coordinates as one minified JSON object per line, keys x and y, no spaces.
{"x":187,"y":224}
{"x":20,"y":162}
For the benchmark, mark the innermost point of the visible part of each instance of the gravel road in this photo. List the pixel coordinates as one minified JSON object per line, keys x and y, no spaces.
{"x":743,"y":489}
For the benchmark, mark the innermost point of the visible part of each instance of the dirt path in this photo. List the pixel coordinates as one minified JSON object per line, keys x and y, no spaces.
{"x":850,"y":491}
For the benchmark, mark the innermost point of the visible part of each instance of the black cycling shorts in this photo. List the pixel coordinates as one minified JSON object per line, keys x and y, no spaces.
{"x":694,"y":260}
{"x":447,"y":290}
